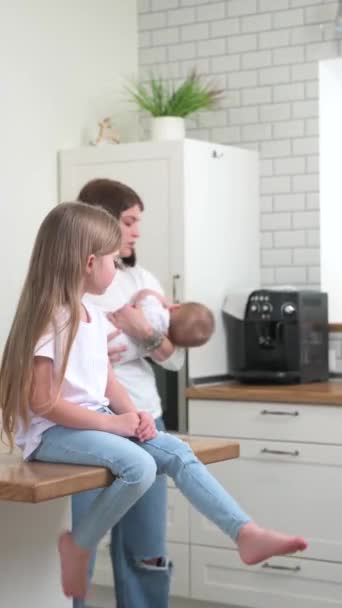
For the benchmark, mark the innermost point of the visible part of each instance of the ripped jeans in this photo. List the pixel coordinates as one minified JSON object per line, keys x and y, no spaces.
{"x":139,"y":535}
{"x":135,"y":465}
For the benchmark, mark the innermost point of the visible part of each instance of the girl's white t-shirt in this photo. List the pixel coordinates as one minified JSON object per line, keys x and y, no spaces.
{"x":136,"y":376}
{"x":85,"y":378}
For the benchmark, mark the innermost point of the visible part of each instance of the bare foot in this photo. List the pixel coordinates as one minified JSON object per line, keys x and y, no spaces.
{"x":74,"y":566}
{"x":257,"y":544}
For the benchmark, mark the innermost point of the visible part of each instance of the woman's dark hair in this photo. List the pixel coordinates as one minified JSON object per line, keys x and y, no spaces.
{"x":113,"y":196}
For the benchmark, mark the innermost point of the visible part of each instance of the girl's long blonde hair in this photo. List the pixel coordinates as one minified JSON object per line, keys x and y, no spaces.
{"x":69,"y":234}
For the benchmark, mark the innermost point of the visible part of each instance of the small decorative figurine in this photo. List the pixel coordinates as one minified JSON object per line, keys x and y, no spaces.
{"x":107,"y":133}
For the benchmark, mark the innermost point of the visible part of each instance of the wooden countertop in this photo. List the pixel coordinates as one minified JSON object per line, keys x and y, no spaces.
{"x":316,"y":393}
{"x":37,"y":481}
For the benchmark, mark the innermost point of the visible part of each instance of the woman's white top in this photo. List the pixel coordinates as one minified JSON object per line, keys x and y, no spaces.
{"x":137,"y":375}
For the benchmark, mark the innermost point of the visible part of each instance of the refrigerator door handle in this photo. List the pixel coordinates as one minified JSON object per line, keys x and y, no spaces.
{"x":175,"y":278}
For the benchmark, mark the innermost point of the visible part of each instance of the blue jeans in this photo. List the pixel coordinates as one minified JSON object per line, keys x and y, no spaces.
{"x":165,"y":454}
{"x":134,"y":469}
{"x":140,"y":535}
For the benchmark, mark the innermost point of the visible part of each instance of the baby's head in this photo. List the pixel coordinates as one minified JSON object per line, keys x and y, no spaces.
{"x":191,"y":324}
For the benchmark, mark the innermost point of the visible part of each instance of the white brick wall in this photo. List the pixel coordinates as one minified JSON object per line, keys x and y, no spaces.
{"x":265,"y":53}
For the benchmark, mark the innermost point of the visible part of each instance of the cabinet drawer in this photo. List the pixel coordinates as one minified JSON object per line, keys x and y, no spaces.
{"x":179,"y":554}
{"x":218,"y":575}
{"x":297,"y":491}
{"x":275,"y":421}
{"x":177,"y":517}
{"x":103,"y":574}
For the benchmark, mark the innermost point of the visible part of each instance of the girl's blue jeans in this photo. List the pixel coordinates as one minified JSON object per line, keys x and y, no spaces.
{"x":135,"y":466}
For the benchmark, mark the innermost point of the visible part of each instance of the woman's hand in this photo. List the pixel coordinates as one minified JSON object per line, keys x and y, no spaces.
{"x":131,"y":321}
{"x":125,"y":425}
{"x":115,"y":350}
{"x":147,"y":427}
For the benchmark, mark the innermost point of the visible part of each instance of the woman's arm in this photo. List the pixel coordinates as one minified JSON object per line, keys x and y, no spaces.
{"x":132,"y":322}
{"x":163,"y":352}
{"x":174,"y":361}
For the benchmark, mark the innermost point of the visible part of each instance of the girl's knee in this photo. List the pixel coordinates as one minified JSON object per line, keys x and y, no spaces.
{"x":142,"y":470}
{"x":172,"y":454}
{"x":149,"y":471}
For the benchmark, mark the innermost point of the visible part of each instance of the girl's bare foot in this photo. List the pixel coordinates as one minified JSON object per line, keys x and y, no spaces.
{"x":257,"y":544}
{"x":74,"y":566}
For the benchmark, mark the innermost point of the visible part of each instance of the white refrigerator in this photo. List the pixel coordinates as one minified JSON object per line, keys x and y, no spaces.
{"x":200,"y":232}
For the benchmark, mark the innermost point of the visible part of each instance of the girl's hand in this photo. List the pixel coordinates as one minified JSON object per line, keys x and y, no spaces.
{"x":147,"y":427}
{"x":114,"y":351}
{"x":125,"y":425}
{"x":131,"y":321}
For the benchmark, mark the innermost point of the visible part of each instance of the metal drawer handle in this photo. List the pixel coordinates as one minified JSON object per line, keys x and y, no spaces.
{"x":288,"y":568}
{"x":281,"y":452}
{"x":278,"y":413}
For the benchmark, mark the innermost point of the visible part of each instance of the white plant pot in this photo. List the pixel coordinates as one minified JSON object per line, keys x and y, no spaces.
{"x":167,"y":127}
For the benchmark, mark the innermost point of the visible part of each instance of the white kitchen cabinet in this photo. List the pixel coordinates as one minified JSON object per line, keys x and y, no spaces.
{"x":200,"y":231}
{"x":178,"y":517}
{"x":274,"y":421}
{"x":218,"y":575}
{"x":288,"y":477}
{"x":294,"y":489}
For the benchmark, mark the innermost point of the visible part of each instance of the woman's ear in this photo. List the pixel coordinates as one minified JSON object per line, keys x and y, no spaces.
{"x":90,"y":263}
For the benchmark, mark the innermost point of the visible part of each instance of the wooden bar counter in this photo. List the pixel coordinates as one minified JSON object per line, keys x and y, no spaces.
{"x":35,"y":508}
{"x":316,"y":393}
{"x":38,"y":481}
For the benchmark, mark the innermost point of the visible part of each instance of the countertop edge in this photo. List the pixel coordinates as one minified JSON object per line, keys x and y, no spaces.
{"x":328,"y":393}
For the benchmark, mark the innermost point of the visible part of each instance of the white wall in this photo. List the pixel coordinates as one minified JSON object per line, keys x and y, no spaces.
{"x":265,"y":54}
{"x":63,"y":64}
{"x":330,"y":183}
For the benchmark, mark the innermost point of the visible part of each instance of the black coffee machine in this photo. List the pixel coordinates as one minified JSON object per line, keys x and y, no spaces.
{"x":277,"y":336}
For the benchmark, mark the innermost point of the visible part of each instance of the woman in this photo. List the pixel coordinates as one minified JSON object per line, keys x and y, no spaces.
{"x":138,"y":543}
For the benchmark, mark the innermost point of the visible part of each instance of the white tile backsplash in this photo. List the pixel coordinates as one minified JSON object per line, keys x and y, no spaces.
{"x":266,"y":52}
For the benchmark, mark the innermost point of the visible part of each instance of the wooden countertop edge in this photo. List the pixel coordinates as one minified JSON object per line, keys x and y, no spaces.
{"x":220,"y":454}
{"x":299,"y":395}
{"x":36,"y":482}
{"x":335,"y":327}
{"x":36,"y":490}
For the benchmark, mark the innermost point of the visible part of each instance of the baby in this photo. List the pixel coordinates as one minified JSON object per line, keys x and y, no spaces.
{"x":187,"y":325}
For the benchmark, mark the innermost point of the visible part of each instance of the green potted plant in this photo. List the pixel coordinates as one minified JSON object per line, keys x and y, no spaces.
{"x":169,"y":104}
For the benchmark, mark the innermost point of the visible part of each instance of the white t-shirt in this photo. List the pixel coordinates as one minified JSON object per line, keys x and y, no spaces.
{"x":86,"y":374}
{"x":136,"y":376}
{"x":158,"y":317}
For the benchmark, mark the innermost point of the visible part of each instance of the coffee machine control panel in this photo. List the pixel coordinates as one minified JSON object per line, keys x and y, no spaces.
{"x":288,"y":309}
{"x":271,"y":306}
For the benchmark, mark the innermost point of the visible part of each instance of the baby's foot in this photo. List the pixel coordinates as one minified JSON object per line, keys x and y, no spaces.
{"x":74,"y":566}
{"x":257,"y":544}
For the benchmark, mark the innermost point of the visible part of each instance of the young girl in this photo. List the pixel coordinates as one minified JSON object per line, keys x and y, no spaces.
{"x":59,"y":394}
